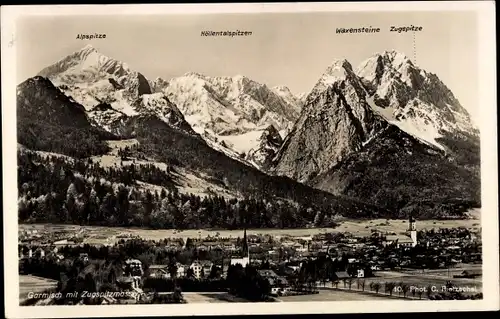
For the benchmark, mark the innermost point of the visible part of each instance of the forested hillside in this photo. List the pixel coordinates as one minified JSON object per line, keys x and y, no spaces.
{"x":58,"y":190}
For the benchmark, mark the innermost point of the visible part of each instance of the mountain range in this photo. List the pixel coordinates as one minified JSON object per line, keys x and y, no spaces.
{"x":383,"y":138}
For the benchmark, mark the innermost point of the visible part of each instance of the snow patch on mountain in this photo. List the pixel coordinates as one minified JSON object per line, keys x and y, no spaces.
{"x":294,"y":101}
{"x":159,"y":105}
{"x":411,"y":98}
{"x":335,"y":72}
{"x":104,"y":116}
{"x":422,"y":126}
{"x":123,"y":104}
{"x":232,"y":111}
{"x":269,"y":143}
{"x":243,"y":143}
{"x":225,"y":147}
{"x":91,"y":78}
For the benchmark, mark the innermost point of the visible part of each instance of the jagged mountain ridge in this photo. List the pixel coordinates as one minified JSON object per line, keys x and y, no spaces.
{"x":48,"y":120}
{"x":225,"y":105}
{"x":89,"y":77}
{"x":335,"y":121}
{"x":415,"y":100}
{"x":344,"y":120}
{"x":110,"y":90}
{"x":230,"y":113}
{"x":344,"y":125}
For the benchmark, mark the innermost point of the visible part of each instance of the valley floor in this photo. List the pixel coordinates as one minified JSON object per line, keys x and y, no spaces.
{"x":109,"y":235}
{"x":34,"y":284}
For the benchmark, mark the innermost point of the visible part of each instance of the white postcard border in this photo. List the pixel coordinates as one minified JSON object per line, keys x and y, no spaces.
{"x":489,"y":216}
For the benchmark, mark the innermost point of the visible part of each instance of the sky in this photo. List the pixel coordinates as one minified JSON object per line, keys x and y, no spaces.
{"x":290,"y":49}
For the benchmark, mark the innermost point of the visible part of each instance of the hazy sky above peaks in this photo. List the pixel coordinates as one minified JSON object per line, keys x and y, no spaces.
{"x":291,"y":49}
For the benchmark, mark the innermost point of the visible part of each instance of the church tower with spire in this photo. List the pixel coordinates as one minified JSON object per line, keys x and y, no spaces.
{"x":244,"y":256}
{"x":413,"y":231}
{"x":245,"y":252}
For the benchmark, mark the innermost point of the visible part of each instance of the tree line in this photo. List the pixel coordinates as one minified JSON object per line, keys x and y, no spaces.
{"x":55,"y":189}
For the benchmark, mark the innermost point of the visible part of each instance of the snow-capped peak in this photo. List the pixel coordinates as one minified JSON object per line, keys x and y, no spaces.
{"x":282,"y":88}
{"x":194,"y":74}
{"x":393,"y":62}
{"x":85,"y":64}
{"x":338,"y":68}
{"x":396,"y":58}
{"x":91,"y":78}
{"x":337,"y":63}
{"x":87,"y":48}
{"x":338,"y":71}
{"x":240,"y":78}
{"x":411,"y":98}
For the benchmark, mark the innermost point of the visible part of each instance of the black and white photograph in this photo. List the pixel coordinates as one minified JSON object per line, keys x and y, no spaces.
{"x":281,"y":157}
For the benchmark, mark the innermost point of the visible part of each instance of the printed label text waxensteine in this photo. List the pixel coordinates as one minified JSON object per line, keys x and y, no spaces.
{"x":358,"y":30}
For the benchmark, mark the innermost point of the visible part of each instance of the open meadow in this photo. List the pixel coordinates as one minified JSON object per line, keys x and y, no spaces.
{"x":420,"y":280}
{"x":109,"y":235}
{"x":334,"y":295}
{"x":34,"y":284}
{"x":364,"y":227}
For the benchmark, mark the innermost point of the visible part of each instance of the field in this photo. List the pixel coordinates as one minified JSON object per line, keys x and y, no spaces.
{"x":109,"y":235}
{"x":334,"y":295}
{"x":363,"y":227}
{"x":203,"y":297}
{"x":29,"y":284}
{"x":211,"y":297}
{"x":420,"y":280}
{"x":187,"y":181}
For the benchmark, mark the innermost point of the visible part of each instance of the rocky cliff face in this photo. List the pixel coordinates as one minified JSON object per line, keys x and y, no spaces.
{"x":110,"y":91}
{"x":269,"y":143}
{"x":48,"y":120}
{"x":415,"y":100}
{"x":91,"y":78}
{"x":389,"y":133}
{"x":231,"y":113}
{"x":335,"y":122}
{"x":38,"y":98}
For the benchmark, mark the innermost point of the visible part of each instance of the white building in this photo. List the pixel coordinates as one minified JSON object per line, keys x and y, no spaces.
{"x":361,"y":273}
{"x":413,"y":231}
{"x":181,"y":270}
{"x":134,"y":267}
{"x":410,"y":240}
{"x":197,"y":268}
{"x":242,"y":261}
{"x":244,"y":258}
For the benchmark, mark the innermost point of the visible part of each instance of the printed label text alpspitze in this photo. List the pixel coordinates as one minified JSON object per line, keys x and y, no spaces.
{"x":82,"y":36}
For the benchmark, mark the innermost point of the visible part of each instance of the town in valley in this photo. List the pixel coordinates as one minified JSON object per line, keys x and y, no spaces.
{"x":97,"y":265}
